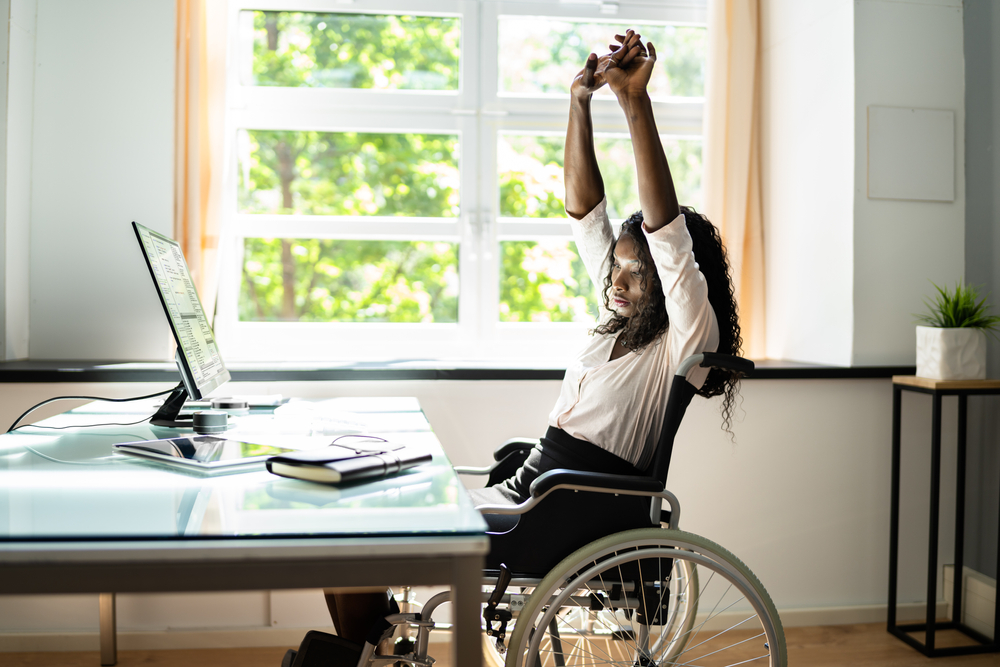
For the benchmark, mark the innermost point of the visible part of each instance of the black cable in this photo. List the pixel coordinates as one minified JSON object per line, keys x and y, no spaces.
{"x":62,"y":428}
{"x":84,"y":398}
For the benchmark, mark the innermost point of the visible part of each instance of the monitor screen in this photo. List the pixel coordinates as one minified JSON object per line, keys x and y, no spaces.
{"x":198,"y":357}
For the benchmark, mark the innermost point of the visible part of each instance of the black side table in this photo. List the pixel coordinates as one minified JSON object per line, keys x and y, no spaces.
{"x":937,"y":389}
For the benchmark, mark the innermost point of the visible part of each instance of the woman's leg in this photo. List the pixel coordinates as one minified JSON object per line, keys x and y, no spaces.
{"x":565,"y":520}
{"x":355,"y":610}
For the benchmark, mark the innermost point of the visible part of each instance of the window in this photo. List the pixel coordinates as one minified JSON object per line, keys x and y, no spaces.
{"x":394,"y":174}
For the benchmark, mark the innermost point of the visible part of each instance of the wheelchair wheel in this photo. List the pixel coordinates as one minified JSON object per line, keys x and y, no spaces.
{"x":648,"y":597}
{"x":682,"y":608}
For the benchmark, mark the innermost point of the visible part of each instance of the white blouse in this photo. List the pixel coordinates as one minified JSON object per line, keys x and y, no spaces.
{"x":619,"y":405}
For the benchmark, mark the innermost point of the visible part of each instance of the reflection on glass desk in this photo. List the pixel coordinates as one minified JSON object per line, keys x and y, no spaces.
{"x":74,"y":518}
{"x":66,"y":484}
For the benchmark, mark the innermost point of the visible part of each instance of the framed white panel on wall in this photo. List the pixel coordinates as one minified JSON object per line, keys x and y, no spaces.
{"x":911,"y":154}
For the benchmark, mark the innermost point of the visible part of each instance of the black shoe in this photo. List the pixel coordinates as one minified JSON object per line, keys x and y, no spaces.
{"x":321,"y":649}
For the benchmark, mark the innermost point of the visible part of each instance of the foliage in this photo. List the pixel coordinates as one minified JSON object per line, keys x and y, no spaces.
{"x":365,"y":174}
{"x":530,"y":171}
{"x":299,"y":49}
{"x":349,"y":173}
{"x":544,"y":282}
{"x":541,"y":56}
{"x":959,"y":308}
{"x":349,"y":281}
{"x":530,"y":174}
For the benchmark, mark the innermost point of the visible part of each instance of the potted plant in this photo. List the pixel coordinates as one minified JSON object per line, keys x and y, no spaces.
{"x":951,"y":344}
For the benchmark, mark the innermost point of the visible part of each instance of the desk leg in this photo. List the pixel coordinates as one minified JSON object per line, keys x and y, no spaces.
{"x":935,"y":504}
{"x":109,"y":630}
{"x":467,"y":647}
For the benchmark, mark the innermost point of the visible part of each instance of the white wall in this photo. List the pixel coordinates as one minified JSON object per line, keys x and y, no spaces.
{"x":103,"y":154}
{"x":906,"y":55}
{"x":807,"y":52}
{"x":16,"y":109}
{"x":846,"y":273}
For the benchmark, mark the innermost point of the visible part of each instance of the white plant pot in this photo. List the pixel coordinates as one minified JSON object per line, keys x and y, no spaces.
{"x":951,"y":354}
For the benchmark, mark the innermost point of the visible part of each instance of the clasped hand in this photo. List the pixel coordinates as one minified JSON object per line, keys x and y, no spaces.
{"x":626,"y":69}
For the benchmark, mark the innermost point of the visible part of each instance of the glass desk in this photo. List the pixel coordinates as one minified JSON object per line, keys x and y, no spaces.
{"x":76,"y":519}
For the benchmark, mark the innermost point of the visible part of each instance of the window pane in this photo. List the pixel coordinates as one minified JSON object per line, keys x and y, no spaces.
{"x":544,"y":281}
{"x":348,"y":173}
{"x":530,"y":170}
{"x":317,"y":280}
{"x":301,"y":49}
{"x":541,"y":56}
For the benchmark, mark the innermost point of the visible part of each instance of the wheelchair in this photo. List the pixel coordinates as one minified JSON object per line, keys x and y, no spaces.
{"x":650,"y":596}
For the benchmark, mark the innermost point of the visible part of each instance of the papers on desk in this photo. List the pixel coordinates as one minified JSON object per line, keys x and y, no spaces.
{"x":322,"y":418}
{"x":340,"y":416}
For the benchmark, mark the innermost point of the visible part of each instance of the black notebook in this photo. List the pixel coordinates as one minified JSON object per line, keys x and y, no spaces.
{"x":347,"y":463}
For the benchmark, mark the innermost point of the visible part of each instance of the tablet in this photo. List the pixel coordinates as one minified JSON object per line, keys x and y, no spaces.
{"x":203,"y":454}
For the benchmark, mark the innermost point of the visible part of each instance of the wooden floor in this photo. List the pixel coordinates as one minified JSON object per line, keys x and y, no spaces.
{"x":831,"y":646}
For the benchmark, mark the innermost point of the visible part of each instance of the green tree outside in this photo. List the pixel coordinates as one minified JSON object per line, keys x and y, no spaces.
{"x":541,"y":56}
{"x":349,"y":281}
{"x":544,"y":281}
{"x":383,"y":52}
{"x":349,"y":173}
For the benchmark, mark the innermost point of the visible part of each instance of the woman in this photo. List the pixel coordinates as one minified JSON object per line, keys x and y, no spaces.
{"x":667,"y":295}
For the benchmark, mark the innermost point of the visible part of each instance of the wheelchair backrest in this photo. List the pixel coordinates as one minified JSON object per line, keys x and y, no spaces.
{"x":681,"y":393}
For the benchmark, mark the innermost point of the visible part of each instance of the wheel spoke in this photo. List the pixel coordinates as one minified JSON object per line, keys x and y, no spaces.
{"x":718,"y":634}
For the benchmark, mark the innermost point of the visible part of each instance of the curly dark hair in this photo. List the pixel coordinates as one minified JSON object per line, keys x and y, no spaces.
{"x":650,"y":319}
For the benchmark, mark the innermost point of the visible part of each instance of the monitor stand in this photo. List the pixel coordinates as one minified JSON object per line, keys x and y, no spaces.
{"x":169,"y":413}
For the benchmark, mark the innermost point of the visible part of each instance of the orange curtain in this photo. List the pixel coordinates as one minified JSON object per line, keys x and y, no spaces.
{"x":200,"y":86}
{"x":732,"y":179}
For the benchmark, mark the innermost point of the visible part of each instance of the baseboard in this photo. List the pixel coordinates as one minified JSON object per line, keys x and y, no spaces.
{"x":816,"y":616}
{"x":44,"y":642}
{"x":875,"y":613}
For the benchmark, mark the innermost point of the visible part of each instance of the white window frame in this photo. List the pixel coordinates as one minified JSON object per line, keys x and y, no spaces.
{"x":478,"y":114}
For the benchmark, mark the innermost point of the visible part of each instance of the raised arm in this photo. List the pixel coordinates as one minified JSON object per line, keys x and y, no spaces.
{"x":628,"y":76}
{"x":584,"y":185}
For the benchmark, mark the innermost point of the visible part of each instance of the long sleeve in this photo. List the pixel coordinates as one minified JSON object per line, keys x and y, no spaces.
{"x":693,"y":325}
{"x":619,"y":404}
{"x":594,"y":240}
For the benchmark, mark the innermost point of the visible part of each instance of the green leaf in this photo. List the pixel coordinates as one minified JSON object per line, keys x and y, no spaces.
{"x":961,"y":307}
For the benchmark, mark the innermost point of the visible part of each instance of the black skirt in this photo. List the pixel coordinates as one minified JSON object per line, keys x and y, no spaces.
{"x":565,"y":520}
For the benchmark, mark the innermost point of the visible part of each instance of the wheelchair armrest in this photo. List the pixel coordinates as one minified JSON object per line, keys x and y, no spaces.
{"x":596,"y":480}
{"x":473,"y":470}
{"x":513,"y":445}
{"x":500,"y":457}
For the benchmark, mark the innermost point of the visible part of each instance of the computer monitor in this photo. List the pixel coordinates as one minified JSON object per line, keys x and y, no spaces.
{"x":198,"y":359}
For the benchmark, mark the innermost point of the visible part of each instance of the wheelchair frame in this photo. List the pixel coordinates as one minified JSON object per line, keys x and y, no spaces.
{"x":572,"y":580}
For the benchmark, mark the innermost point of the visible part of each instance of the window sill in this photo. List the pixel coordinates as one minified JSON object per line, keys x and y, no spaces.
{"x":97,"y":371}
